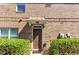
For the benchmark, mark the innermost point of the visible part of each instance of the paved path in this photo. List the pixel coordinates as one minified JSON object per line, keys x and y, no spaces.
{"x":36,"y":54}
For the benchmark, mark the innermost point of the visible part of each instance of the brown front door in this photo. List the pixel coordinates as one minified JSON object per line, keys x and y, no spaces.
{"x":37,"y":39}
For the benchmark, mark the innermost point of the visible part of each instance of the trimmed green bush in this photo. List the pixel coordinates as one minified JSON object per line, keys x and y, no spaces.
{"x":14,"y":46}
{"x":64,"y":47}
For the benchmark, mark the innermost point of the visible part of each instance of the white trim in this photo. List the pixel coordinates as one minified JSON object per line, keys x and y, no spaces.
{"x":9,"y":33}
{"x":32,"y":39}
{"x":36,"y":49}
{"x":0,"y":32}
{"x":16,"y":8}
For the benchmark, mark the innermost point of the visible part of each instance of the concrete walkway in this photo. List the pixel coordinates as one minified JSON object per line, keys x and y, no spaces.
{"x":36,"y":54}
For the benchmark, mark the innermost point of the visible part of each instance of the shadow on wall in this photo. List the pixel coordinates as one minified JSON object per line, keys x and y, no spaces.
{"x":26,"y":32}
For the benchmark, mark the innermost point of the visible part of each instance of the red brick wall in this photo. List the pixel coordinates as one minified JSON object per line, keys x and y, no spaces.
{"x":60,"y":18}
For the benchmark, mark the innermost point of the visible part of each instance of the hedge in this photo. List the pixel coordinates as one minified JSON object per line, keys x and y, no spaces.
{"x":64,"y":47}
{"x":14,"y":46}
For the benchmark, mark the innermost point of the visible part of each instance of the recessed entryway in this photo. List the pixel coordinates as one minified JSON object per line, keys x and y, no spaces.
{"x":37,"y":40}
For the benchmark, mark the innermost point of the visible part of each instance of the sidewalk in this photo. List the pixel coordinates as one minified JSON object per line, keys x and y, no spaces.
{"x":36,"y":54}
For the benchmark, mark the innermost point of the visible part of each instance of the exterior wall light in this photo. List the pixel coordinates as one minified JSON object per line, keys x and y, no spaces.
{"x":37,"y":22}
{"x":20,"y":20}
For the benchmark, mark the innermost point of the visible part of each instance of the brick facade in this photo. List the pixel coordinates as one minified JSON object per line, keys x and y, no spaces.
{"x":59,"y":18}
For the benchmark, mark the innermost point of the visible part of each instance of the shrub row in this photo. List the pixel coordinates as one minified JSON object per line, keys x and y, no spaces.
{"x":64,"y":47}
{"x":14,"y":46}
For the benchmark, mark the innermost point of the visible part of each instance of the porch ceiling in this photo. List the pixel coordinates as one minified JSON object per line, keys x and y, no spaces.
{"x":36,"y":20}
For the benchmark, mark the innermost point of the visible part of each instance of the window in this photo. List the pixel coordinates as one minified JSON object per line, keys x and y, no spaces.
{"x":20,"y":7}
{"x":4,"y":32}
{"x":13,"y":32}
{"x":9,"y":32}
{"x":48,"y":5}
